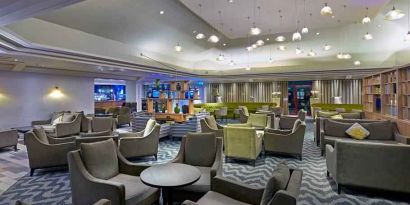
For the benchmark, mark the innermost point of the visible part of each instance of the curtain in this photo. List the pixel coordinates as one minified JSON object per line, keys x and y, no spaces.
{"x":350,"y":91}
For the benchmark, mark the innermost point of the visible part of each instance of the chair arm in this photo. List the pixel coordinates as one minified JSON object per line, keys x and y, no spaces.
{"x":41,"y":122}
{"x":129,"y":168}
{"x":280,"y":132}
{"x":54,"y":141}
{"x":322,"y":140}
{"x":282,"y":197}
{"x":237,"y":190}
{"x":216,"y":169}
{"x":187,"y":202}
{"x":181,"y":153}
{"x":103,"y":202}
{"x":331,"y":160}
{"x":400,"y":138}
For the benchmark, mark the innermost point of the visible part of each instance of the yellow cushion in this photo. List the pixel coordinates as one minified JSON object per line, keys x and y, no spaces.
{"x":336,"y":117}
{"x":357,"y":131}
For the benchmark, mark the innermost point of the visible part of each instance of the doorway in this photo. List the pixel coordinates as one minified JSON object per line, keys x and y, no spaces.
{"x":299,"y":96}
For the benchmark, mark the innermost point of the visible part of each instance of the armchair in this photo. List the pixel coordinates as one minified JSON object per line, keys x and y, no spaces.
{"x":283,"y":143}
{"x":259,"y":121}
{"x":124,"y":116}
{"x":70,"y":124}
{"x":101,"y":124}
{"x":204,"y":151}
{"x":100,"y":171}
{"x":209,"y":124}
{"x":242,"y":142}
{"x":243,"y":114}
{"x":286,"y":122}
{"x":144,"y":143}
{"x":44,"y":151}
{"x":282,"y":189}
{"x":9,"y":138}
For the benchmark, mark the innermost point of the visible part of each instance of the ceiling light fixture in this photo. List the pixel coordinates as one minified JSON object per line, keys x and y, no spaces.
{"x":296,"y":36}
{"x":254,"y":29}
{"x":200,"y":35}
{"x":178,"y":48}
{"x":221,"y":57}
{"x":260,"y":43}
{"x":162,"y":12}
{"x":356,"y":62}
{"x":394,"y":14}
{"x":280,"y":38}
{"x":298,"y":51}
{"x":305,"y":30}
{"x":367,"y":36}
{"x":213,"y":38}
{"x":254,"y":46}
{"x":282,"y":48}
{"x":326,"y":10}
{"x":343,"y":56}
{"x":311,"y":53}
{"x":249,"y":48}
{"x":366,"y":18}
{"x":327,"y":47}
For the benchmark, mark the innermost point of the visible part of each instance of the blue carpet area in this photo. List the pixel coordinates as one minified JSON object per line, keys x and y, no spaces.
{"x":54,"y":188}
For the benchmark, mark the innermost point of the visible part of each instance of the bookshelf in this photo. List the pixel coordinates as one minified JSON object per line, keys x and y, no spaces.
{"x":386,"y":95}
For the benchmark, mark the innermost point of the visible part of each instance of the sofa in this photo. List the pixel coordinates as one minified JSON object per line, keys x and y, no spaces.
{"x":320,"y":115}
{"x":332,"y":107}
{"x":381,"y":131}
{"x":381,"y":166}
{"x":252,"y":106}
{"x":9,"y":138}
{"x":283,"y":188}
{"x":62,"y":124}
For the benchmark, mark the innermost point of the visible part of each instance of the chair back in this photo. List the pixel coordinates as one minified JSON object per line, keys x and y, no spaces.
{"x":240,"y":142}
{"x":149,"y":127}
{"x":302,"y":115}
{"x":224,"y":111}
{"x":124,"y":111}
{"x":200,"y":149}
{"x":100,"y":124}
{"x":258,"y":120}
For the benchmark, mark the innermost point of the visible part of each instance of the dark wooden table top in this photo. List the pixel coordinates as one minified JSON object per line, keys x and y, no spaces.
{"x":170,"y":175}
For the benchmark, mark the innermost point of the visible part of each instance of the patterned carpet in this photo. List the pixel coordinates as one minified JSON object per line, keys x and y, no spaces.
{"x":54,"y":188}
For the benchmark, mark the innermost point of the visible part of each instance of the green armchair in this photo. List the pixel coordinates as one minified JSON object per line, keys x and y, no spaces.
{"x":259,"y":121}
{"x":242,"y":143}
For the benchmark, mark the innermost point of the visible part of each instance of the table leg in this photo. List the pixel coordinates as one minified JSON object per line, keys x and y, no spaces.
{"x":167,"y":196}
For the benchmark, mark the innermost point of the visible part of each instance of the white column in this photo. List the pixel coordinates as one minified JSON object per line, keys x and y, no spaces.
{"x":131,"y":90}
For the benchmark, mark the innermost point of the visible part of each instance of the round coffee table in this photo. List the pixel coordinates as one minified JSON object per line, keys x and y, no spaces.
{"x":169,"y":176}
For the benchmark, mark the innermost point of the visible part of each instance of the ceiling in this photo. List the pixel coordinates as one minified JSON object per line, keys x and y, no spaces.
{"x":116,"y":32}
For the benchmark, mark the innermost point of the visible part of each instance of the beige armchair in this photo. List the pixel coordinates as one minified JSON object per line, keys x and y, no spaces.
{"x":242,"y":143}
{"x":286,"y":122}
{"x":283,"y":188}
{"x":101,"y":124}
{"x":98,"y":171}
{"x":286,"y":143}
{"x":144,"y":143}
{"x":243,"y":114}
{"x":209,"y":124}
{"x":204,"y":151}
{"x":124,"y":116}
{"x":44,"y":151}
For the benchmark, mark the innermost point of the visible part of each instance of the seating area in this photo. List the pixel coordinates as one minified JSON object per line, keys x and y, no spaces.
{"x":198,"y":102}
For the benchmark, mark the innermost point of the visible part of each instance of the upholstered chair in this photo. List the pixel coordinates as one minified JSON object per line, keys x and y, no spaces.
{"x":259,"y":121}
{"x":9,"y":138}
{"x":243,"y":114}
{"x":44,"y":151}
{"x":70,"y":124}
{"x":140,"y":144}
{"x":124,"y":116}
{"x":283,"y":188}
{"x":209,"y":124}
{"x":98,"y":171}
{"x":286,"y":122}
{"x":102,"y":124}
{"x":222,"y":113}
{"x":114,"y":111}
{"x":204,"y":151}
{"x":296,"y":123}
{"x":282,"y":143}
{"x":242,"y":142}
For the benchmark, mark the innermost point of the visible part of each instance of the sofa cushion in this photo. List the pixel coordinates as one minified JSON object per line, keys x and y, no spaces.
{"x":351,"y":115}
{"x":336,"y":129}
{"x":49,"y":128}
{"x":331,"y":140}
{"x":210,"y":120}
{"x":245,"y":110}
{"x":41,"y":135}
{"x":278,"y":181}
{"x":57,"y":120}
{"x":200,"y":149}
{"x":215,"y":198}
{"x":135,"y":190}
{"x":148,"y":128}
{"x":56,"y":115}
{"x":381,"y":130}
{"x":203,"y":184}
{"x":325,"y":114}
{"x":357,"y":131}
{"x":100,"y":158}
{"x":338,"y":116}
{"x":67,"y":117}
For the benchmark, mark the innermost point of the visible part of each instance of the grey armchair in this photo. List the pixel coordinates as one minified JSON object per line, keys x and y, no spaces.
{"x":101,"y":124}
{"x":98,"y":171}
{"x":243,"y":114}
{"x":204,"y":151}
{"x":124,"y":116}
{"x":282,"y":189}
{"x":209,"y":124}
{"x":286,"y":122}
{"x":9,"y":138}
{"x":44,"y":151}
{"x":282,"y":143}
{"x":144,"y":143}
{"x":71,"y":125}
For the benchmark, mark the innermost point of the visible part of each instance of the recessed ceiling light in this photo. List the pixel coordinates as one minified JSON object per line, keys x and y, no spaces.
{"x":230,"y":1}
{"x":224,"y":44}
{"x":267,"y":39}
{"x":200,"y":36}
{"x":379,"y":25}
{"x":162,"y":12}
{"x":317,"y":33}
{"x":343,"y":56}
{"x":356,"y":62}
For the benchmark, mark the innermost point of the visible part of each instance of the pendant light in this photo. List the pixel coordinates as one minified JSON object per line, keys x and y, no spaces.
{"x":282,"y":48}
{"x":213,"y":38}
{"x":311,"y":53}
{"x":394,"y":14}
{"x":280,"y":38}
{"x":270,"y":60}
{"x":305,"y":29}
{"x":260,"y":43}
{"x":326,"y":10}
{"x":221,"y":57}
{"x":254,"y":29}
{"x":366,"y":18}
{"x":298,"y":50}
{"x":297,"y":36}
{"x":343,"y":55}
{"x":178,"y":48}
{"x":407,"y":37}
{"x":200,"y":35}
{"x":327,"y":47}
{"x":367,"y":36}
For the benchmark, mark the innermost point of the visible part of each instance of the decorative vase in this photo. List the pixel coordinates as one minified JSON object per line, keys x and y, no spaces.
{"x":176,"y":109}
{"x":178,"y":87}
{"x":156,"y":107}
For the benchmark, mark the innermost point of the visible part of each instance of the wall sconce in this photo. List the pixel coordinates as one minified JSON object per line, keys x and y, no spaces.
{"x":56,"y":93}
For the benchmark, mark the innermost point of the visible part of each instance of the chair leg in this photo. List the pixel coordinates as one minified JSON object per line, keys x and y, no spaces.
{"x":339,"y":188}
{"x":31,"y":172}
{"x":156,"y":157}
{"x":327,"y":173}
{"x":300,"y":157}
{"x":15,"y":148}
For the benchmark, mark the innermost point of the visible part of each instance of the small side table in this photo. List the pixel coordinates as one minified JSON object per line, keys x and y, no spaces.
{"x":169,"y":176}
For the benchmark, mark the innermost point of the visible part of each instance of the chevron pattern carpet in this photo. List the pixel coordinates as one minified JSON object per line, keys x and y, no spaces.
{"x":54,"y":188}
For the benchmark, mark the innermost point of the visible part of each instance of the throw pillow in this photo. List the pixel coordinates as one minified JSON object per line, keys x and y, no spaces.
{"x":148,"y":128}
{"x":41,"y":135}
{"x":357,"y":131}
{"x":57,"y":120}
{"x":336,"y":117}
{"x":210,"y":120}
{"x":278,"y":181}
{"x":67,"y":117}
